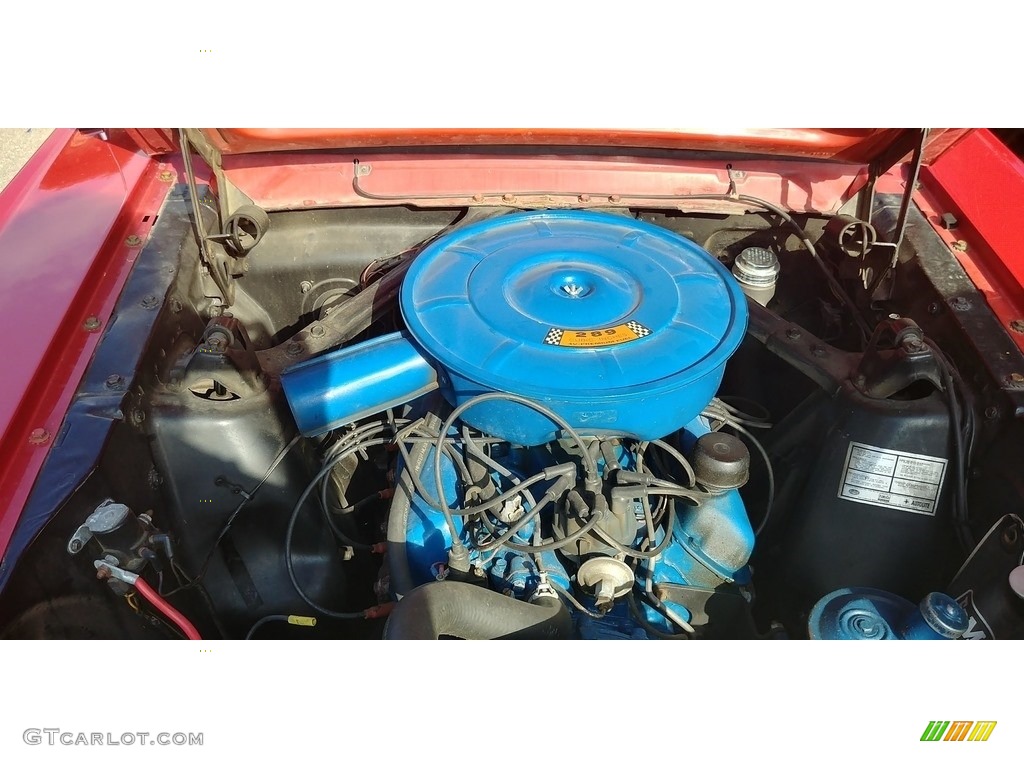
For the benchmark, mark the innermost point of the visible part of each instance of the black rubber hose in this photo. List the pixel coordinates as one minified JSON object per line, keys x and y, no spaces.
{"x":398,"y":517}
{"x":456,"y":609}
{"x":959,"y":460}
{"x":638,"y":614}
{"x":339,"y":534}
{"x":290,"y":532}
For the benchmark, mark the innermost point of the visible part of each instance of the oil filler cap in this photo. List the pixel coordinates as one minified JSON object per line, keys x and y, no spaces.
{"x":721,"y":462}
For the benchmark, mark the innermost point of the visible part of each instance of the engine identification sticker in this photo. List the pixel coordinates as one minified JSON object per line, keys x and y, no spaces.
{"x":894,"y":479}
{"x":602,"y":337}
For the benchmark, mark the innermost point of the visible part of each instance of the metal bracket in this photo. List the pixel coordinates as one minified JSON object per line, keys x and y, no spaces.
{"x":241,"y":224}
{"x":229,"y":197}
{"x":911,"y":141}
{"x":543,"y":590}
{"x":876,"y":273}
{"x":79,"y":539}
{"x":114,"y":572}
{"x":224,"y":354}
{"x":108,"y":516}
{"x":897,"y":356}
{"x":824,"y":364}
{"x":713,"y":612}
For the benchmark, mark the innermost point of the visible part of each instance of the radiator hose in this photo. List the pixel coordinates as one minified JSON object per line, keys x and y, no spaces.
{"x":460,"y":610}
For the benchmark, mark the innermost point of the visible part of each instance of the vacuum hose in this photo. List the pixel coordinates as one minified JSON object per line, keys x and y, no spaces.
{"x":460,"y":610}
{"x":398,"y":517}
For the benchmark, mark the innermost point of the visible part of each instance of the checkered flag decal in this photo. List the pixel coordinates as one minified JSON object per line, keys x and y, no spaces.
{"x":638,"y":329}
{"x":554,"y":336}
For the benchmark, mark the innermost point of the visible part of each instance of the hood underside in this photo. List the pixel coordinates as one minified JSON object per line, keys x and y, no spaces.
{"x":847,"y":145}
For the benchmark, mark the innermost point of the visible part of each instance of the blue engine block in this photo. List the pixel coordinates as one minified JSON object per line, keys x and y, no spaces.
{"x":710,"y":548}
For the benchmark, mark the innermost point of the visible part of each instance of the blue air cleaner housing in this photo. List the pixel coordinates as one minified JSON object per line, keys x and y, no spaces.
{"x":618,"y":326}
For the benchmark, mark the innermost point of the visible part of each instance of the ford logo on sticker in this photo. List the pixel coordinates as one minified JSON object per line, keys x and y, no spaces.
{"x":853,"y":492}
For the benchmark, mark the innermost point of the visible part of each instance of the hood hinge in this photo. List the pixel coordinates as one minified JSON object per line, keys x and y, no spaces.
{"x":240,"y":223}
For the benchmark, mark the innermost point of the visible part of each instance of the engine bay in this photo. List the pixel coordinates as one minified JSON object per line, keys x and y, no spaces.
{"x":576,"y":423}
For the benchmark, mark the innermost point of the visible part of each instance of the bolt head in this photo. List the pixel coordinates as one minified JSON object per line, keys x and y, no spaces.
{"x":792,"y":333}
{"x":114,"y":380}
{"x":39,"y":436}
{"x":294,"y":348}
{"x":305,"y":286}
{"x":1017,"y":378}
{"x":92,"y":323}
{"x":167,"y":176}
{"x":133,"y":241}
{"x":1017,"y":326}
{"x":317,"y":331}
{"x":217,"y":341}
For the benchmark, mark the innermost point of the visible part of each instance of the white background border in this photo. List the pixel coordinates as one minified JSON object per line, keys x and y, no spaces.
{"x":631,"y":65}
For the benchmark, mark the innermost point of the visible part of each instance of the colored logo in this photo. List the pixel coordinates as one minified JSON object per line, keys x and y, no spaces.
{"x":958,"y":730}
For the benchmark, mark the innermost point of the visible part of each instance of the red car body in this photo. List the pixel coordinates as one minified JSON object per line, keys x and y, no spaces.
{"x":76,"y":216}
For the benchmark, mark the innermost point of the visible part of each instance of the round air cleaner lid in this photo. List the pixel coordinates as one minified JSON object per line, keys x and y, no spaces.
{"x":573,"y":304}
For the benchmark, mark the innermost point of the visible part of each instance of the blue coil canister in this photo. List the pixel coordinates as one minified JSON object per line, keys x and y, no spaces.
{"x":872,"y":614}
